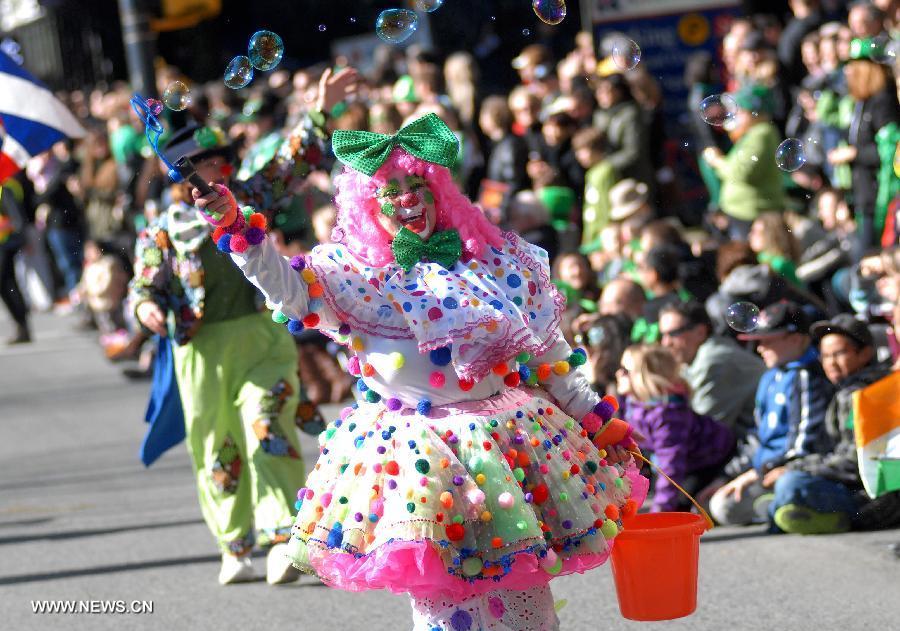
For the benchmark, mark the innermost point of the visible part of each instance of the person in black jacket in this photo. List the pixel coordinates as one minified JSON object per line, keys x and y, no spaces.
{"x":508,"y":154}
{"x":874,"y":92}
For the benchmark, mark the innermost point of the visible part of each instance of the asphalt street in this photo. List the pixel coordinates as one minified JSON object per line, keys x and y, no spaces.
{"x":82,"y":519}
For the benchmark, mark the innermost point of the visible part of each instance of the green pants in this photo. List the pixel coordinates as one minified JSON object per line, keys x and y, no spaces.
{"x":238,"y":384}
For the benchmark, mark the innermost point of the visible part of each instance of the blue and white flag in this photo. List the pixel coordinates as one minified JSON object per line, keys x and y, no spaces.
{"x":31,"y":119}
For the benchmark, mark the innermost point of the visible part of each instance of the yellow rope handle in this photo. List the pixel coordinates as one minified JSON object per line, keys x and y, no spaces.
{"x":709,"y":521}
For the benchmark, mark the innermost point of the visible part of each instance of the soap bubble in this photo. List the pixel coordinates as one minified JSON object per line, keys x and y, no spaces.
{"x":177,"y":96}
{"x":239,"y":72}
{"x":428,"y":5}
{"x":526,"y":32}
{"x":322,"y":28}
{"x":550,"y":11}
{"x":742,"y":316}
{"x":155,"y":107}
{"x":626,"y":54}
{"x":396,"y":25}
{"x":352,"y":20}
{"x":718,"y":109}
{"x":265,"y":50}
{"x":790,"y":155}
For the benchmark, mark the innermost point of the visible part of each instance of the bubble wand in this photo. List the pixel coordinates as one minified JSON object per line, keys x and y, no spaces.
{"x":183,"y":169}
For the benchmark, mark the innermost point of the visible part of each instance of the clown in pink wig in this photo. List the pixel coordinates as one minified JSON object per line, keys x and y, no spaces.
{"x":476,"y":465}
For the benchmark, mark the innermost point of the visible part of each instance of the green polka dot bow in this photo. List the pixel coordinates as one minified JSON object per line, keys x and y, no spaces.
{"x":443,"y":247}
{"x":427,"y":138}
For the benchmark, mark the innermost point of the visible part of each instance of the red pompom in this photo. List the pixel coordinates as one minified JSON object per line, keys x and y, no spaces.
{"x":238,"y":243}
{"x":392,"y":468}
{"x":311,"y":321}
{"x":512,"y":379}
{"x":466,"y":384}
{"x":258,"y":220}
{"x":540,"y":493}
{"x":217,"y":233}
{"x":455,"y":532}
{"x":591,"y":422}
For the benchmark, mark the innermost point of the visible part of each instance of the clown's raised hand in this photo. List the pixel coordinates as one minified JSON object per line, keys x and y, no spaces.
{"x":219,"y":207}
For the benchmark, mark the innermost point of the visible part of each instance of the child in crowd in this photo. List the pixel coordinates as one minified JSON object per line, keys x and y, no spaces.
{"x":689,"y":448}
{"x":775,"y":246}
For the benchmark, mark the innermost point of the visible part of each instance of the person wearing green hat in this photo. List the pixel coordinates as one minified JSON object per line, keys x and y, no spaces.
{"x":876,"y":109}
{"x":751,"y":181}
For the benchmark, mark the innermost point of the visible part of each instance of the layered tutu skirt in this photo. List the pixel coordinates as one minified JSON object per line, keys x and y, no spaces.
{"x":504,"y":493}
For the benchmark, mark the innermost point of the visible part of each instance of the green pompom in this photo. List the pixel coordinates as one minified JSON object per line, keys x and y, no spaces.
{"x":279,"y":317}
{"x":577,"y":359}
{"x":609,"y":529}
{"x":523,"y":357}
{"x":422,"y":466}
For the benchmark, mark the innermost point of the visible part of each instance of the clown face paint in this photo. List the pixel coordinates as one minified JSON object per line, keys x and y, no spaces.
{"x":406,"y":202}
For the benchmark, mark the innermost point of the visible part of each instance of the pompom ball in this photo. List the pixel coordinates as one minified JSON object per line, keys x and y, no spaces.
{"x":298,"y":263}
{"x":604,"y":410}
{"x":440,"y":356}
{"x":224,"y":244}
{"x":353,"y":366}
{"x":437,"y":379}
{"x":238,"y":243}
{"x":393,"y":404}
{"x":591,"y":422}
{"x":257,"y":220}
{"x":255,"y":236}
{"x":423,"y":407}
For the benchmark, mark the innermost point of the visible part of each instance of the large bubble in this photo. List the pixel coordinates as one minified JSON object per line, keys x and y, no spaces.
{"x":742,"y":316}
{"x":790,"y":155}
{"x":718,"y":109}
{"x":177,"y":96}
{"x":239,"y":72}
{"x":395,"y":26}
{"x":626,"y":54}
{"x":265,"y":50}
{"x":550,"y":11}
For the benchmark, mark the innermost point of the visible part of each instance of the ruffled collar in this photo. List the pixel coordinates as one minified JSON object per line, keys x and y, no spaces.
{"x":485,"y":310}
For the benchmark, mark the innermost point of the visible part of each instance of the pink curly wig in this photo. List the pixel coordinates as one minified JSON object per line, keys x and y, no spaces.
{"x":358,"y":228}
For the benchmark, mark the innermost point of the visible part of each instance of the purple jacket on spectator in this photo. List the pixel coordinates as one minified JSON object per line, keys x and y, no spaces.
{"x":681,"y":440}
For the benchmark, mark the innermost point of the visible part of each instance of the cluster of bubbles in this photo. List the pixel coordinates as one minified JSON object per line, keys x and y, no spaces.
{"x":626,"y":54}
{"x":550,"y":11}
{"x":790,"y":155}
{"x":177,"y":96}
{"x":742,"y":316}
{"x":264,"y":52}
{"x":395,"y":26}
{"x":718,"y":109}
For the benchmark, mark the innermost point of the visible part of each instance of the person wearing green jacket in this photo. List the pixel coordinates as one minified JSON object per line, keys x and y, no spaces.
{"x":751,"y":181}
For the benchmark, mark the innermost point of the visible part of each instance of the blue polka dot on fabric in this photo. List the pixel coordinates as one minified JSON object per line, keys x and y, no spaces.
{"x":496,"y":304}
{"x":450,"y":303}
{"x":513,"y":280}
{"x":440,"y":356}
{"x":407,"y":307}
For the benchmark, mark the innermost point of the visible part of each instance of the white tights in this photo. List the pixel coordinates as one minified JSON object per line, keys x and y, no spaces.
{"x":501,"y":610}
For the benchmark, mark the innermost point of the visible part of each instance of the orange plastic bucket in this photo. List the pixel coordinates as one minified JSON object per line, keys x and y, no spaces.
{"x":654,"y":562}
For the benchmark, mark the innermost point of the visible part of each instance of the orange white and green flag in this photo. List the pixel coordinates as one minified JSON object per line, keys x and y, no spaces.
{"x":876,"y":423}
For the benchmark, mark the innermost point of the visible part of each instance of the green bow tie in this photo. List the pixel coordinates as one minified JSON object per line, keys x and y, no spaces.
{"x":443,"y":247}
{"x":427,"y":138}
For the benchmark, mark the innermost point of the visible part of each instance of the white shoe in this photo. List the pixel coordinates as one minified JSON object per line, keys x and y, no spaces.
{"x":235,"y":569}
{"x":279,"y":569}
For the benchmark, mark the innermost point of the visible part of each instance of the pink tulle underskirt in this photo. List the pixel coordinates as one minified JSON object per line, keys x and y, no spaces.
{"x":416,"y":567}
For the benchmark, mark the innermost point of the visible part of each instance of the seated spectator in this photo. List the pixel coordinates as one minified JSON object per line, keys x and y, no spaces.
{"x":790,"y":414}
{"x":508,"y":154}
{"x":688,"y":447}
{"x":574,"y":277}
{"x":823,"y":493}
{"x":628,"y":206}
{"x":599,"y":178}
{"x":722,"y":376}
{"x":622,"y":295}
{"x":604,"y":338}
{"x":658,"y":272}
{"x":775,"y":246}
{"x":695,"y":275}
{"x":605,"y":254}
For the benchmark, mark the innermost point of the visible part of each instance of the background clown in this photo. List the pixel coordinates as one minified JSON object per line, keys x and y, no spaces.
{"x":464,"y":477}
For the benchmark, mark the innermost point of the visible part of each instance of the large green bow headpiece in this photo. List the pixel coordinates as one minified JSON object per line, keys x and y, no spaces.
{"x":427,"y":138}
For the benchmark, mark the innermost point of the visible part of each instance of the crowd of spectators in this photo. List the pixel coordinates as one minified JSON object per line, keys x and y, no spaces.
{"x":752,"y":419}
